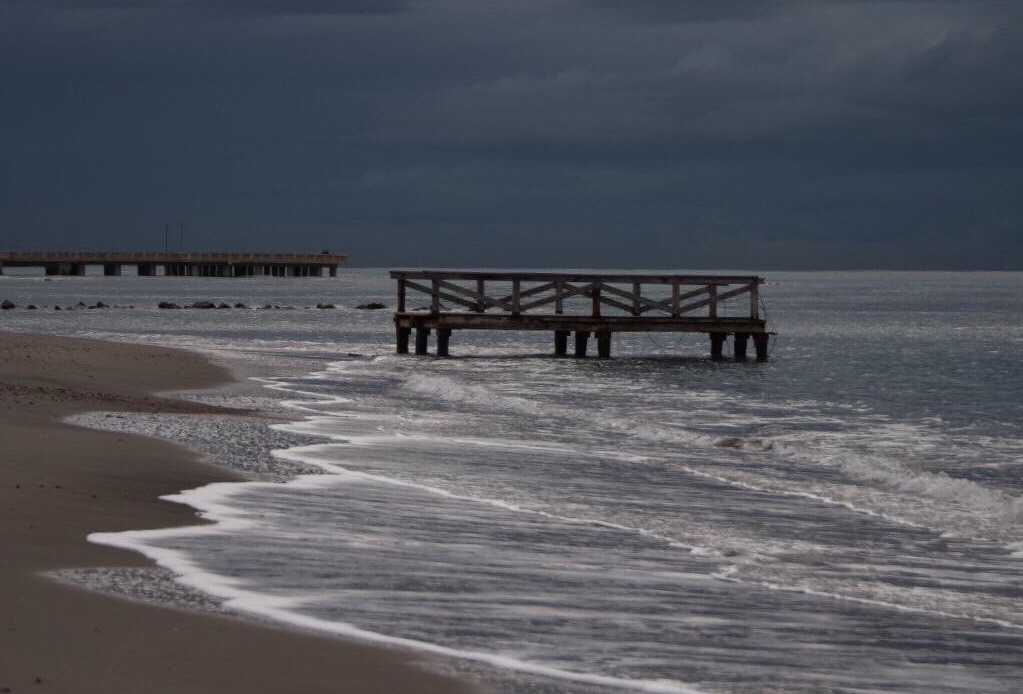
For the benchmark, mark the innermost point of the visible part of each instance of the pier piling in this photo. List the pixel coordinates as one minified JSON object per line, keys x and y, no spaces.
{"x":582,"y":340}
{"x":760,"y":341}
{"x":740,"y":346}
{"x":403,"y":335}
{"x":560,"y":343}
{"x":443,"y":340}
{"x":422,"y":340}
{"x":717,"y":345}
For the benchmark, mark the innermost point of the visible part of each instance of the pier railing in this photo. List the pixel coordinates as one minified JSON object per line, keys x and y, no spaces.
{"x":529,"y":294}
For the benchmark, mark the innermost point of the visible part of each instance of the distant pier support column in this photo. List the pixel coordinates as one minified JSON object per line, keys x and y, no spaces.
{"x":582,"y":339}
{"x":717,"y":346}
{"x":443,"y":342}
{"x":333,"y":270}
{"x":560,"y":343}
{"x":740,"y":346}
{"x":112,"y":269}
{"x":604,"y":344}
{"x":760,"y":341}
{"x":422,"y":340}
{"x":402,"y":335}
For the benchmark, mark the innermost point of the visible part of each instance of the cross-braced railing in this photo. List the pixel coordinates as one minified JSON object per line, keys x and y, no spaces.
{"x":630,"y":294}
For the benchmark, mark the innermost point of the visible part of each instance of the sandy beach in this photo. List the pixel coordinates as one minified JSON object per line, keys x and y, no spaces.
{"x":58,"y":483}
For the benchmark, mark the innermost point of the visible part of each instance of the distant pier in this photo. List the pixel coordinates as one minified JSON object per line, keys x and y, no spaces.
{"x":178,"y":264}
{"x":586,"y":305}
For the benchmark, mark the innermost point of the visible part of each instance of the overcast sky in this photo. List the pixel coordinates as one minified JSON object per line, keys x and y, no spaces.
{"x":611,"y":133}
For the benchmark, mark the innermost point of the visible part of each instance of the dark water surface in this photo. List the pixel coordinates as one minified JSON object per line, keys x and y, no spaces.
{"x":847,"y":517}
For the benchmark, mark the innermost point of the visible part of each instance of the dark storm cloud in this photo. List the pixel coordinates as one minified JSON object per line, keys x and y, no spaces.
{"x":276,"y":7}
{"x":792,"y":133}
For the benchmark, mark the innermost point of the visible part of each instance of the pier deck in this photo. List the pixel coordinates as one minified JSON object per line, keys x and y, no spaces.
{"x":585,"y":304}
{"x":160,"y":264}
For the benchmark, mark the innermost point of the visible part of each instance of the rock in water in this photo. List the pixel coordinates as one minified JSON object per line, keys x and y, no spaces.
{"x":371,"y":306}
{"x":325,"y":306}
{"x":168,"y":304}
{"x":203,"y":304}
{"x":7,"y":305}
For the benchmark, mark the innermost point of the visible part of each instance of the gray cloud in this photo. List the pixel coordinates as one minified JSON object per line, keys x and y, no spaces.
{"x":842,"y":131}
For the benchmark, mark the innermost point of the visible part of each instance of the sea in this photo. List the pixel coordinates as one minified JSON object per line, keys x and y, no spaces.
{"x":847,"y":517}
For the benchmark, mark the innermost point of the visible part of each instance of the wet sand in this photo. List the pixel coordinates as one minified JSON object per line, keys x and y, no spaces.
{"x":58,"y":483}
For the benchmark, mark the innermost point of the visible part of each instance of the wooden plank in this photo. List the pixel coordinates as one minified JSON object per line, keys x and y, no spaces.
{"x":712,"y":290}
{"x":539,"y":289}
{"x":456,"y":288}
{"x":617,"y":304}
{"x":720,"y":297}
{"x":516,"y":301}
{"x":440,"y":295}
{"x":401,"y":302}
{"x":550,"y":322}
{"x":540,"y":302}
{"x":619,"y":278}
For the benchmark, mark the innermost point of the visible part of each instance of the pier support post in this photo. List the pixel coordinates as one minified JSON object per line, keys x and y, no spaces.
{"x":443,"y":340}
{"x":604,"y":344}
{"x":760,"y":342}
{"x":403,"y":335}
{"x":560,"y":343}
{"x":582,"y":339}
{"x":717,"y":345}
{"x":422,"y":340}
{"x":740,"y":346}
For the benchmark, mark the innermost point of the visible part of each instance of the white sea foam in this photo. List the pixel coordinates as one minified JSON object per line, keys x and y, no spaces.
{"x":446,"y":389}
{"x":211,"y":502}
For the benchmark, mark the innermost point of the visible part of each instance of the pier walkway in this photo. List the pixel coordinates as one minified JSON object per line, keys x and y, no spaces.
{"x":584,"y":304}
{"x":166,"y":264}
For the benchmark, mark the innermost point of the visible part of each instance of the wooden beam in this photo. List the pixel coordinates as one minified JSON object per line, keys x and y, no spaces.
{"x":550,"y":322}
{"x":618,"y":278}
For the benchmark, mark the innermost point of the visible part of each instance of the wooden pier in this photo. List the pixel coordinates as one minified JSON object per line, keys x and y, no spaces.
{"x":165,"y":264}
{"x":585,"y":305}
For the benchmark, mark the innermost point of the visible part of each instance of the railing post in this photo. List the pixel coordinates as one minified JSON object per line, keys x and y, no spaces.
{"x":435,"y":296}
{"x":516,"y":303}
{"x":401,"y":295}
{"x":675,"y":299}
{"x":559,"y":288}
{"x":712,"y":290}
{"x":754,"y":299}
{"x":481,"y":306}
{"x":596,"y":299}
{"x":636,"y":289}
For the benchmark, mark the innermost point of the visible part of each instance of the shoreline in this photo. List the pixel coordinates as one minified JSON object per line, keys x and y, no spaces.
{"x":60,"y":482}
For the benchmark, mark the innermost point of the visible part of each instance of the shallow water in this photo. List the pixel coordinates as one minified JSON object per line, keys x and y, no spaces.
{"x":846,"y":517}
